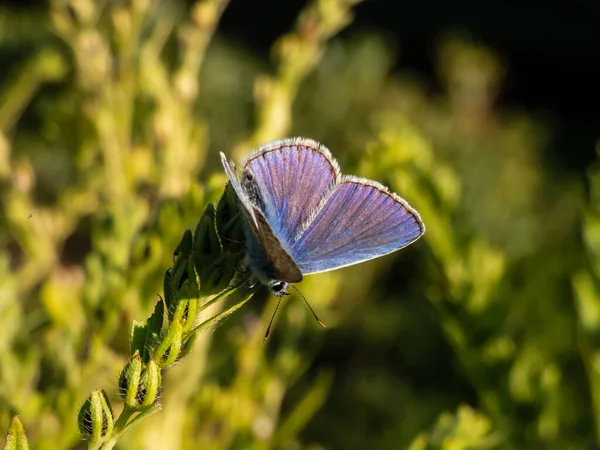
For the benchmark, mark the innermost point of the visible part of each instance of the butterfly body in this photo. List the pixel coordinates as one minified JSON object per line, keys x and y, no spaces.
{"x":303,"y":216}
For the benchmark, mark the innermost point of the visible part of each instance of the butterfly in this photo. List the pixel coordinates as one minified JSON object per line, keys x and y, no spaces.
{"x":302,"y":216}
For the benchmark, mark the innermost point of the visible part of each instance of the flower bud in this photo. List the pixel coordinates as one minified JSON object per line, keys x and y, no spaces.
{"x":149,"y":385}
{"x":129,"y":380}
{"x":185,"y":313}
{"x":227,"y":220}
{"x":139,"y":383}
{"x":15,"y":437}
{"x":184,"y":248}
{"x":170,"y":345}
{"x":168,"y":288}
{"x":206,"y":240}
{"x":180,"y":283}
{"x":95,"y":419}
{"x":188,"y":344}
{"x":216,"y":275}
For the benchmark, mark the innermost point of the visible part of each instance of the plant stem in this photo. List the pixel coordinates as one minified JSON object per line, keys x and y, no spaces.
{"x":119,"y":428}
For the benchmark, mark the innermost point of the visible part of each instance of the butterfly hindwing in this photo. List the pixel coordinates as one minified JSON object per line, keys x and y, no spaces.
{"x":359,"y":220}
{"x":279,"y":265}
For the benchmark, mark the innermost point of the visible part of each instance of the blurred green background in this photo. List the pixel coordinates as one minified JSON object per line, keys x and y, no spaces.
{"x":483,"y":334}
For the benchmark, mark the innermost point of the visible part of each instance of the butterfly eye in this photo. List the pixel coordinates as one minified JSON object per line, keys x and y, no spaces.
{"x":278,"y":287}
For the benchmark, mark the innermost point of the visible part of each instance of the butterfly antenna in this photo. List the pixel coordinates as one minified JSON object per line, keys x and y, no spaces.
{"x":319,"y":321}
{"x":271,"y":321}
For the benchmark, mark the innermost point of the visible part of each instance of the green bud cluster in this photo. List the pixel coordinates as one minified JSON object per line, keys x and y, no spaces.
{"x":204,"y":264}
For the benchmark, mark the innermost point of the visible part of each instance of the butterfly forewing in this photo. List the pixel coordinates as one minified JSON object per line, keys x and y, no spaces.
{"x":293,"y":176}
{"x":359,"y":220}
{"x":237,"y":187}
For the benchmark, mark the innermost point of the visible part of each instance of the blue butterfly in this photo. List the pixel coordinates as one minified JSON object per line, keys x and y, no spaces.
{"x":303,"y":216}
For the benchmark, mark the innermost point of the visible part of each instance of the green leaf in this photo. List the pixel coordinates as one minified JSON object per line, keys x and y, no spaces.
{"x":15,"y":438}
{"x":206,"y":240}
{"x":145,"y":334}
{"x":240,"y":297}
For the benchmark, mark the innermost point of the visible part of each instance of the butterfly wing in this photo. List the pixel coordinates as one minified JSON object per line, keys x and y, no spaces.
{"x":248,"y":206}
{"x":357,"y":221}
{"x":265,"y":250}
{"x":293,"y":176}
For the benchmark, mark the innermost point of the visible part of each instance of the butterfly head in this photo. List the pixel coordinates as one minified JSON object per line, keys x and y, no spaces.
{"x":278,"y":288}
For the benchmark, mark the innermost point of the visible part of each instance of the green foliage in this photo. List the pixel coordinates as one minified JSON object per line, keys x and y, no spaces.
{"x":485,"y":334}
{"x":465,"y":430}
